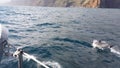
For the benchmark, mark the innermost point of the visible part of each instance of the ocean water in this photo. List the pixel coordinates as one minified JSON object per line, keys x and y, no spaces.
{"x":62,"y":36}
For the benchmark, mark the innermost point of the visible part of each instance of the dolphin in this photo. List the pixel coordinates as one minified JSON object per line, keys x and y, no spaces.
{"x":100,"y":44}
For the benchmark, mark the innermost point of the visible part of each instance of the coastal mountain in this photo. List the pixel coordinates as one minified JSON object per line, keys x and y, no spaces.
{"x":70,"y":3}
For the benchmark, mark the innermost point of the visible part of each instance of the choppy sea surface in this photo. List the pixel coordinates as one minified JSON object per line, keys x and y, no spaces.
{"x":62,"y":36}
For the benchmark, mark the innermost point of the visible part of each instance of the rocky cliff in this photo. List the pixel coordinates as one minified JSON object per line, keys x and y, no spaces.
{"x":70,"y":3}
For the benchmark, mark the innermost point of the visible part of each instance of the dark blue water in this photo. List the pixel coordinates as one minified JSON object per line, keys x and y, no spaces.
{"x":62,"y":35}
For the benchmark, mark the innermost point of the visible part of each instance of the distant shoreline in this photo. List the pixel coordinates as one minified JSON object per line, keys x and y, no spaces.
{"x":67,"y":3}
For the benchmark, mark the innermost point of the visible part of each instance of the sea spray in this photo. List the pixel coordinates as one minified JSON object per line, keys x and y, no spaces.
{"x":34,"y":58}
{"x":115,"y":50}
{"x":52,"y":64}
